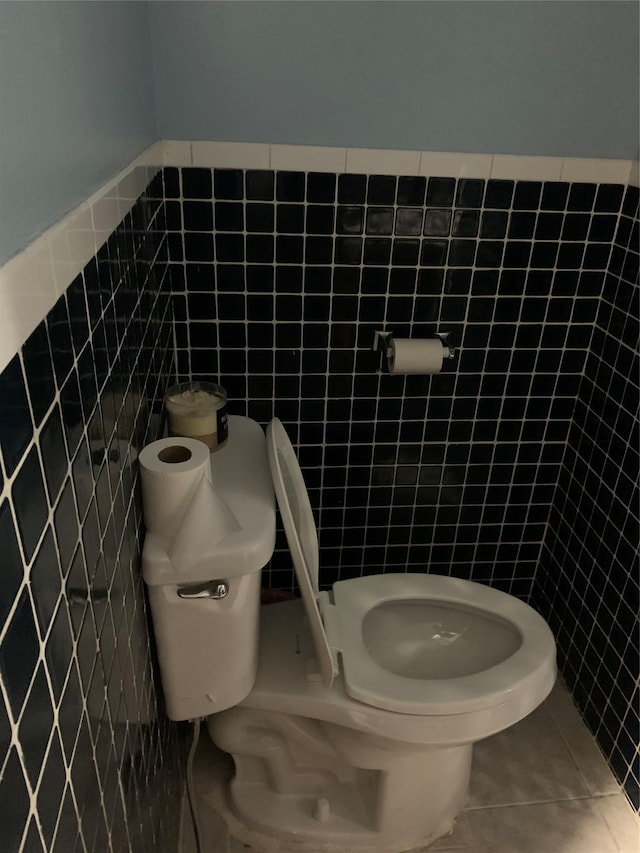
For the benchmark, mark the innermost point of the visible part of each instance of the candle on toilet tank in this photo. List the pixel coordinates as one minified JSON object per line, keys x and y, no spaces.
{"x":198,"y":410}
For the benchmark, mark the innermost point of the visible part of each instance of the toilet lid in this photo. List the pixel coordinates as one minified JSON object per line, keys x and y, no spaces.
{"x":302,"y":537}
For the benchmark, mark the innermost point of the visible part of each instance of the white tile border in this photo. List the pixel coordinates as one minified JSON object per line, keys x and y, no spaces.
{"x":308,"y":158}
{"x":526,"y":168}
{"x":31,"y":282}
{"x":237,"y":155}
{"x":442,"y":164}
{"x":175,"y":153}
{"x":371,"y":161}
{"x":577,"y":169}
{"x":374,"y":161}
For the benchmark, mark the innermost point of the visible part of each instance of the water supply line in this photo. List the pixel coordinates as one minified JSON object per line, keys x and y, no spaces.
{"x":191,"y":792}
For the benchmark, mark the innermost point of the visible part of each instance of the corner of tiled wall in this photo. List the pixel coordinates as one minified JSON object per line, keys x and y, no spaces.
{"x":588,"y":583}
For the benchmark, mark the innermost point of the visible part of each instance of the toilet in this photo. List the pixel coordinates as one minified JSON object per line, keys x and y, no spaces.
{"x":351,"y":714}
{"x":358,"y":731}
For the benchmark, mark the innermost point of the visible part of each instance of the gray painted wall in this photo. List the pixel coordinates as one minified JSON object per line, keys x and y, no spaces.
{"x":76,"y":105}
{"x":546,"y":78}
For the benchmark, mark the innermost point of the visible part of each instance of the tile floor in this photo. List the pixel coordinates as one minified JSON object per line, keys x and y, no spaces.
{"x":542,"y":786}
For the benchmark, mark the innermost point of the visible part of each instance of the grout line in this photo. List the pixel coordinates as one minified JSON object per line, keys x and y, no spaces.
{"x":546,"y":802}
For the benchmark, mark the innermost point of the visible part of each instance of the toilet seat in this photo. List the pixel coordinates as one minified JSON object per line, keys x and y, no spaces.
{"x":529,"y":656}
{"x":338,"y":627}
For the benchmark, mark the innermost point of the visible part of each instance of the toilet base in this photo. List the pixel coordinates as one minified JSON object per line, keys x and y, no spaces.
{"x":303,"y":781}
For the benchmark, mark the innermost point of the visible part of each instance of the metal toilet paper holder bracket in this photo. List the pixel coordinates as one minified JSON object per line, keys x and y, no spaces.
{"x":382,"y":343}
{"x":444,"y":337}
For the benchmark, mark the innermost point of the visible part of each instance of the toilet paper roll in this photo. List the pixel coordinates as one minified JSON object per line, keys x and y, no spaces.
{"x":415,"y":356}
{"x":207,"y":521}
{"x":170,"y":472}
{"x":180,"y":503}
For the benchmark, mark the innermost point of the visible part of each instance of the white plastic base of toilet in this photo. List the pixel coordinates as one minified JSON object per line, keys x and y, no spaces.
{"x":300,"y":780}
{"x":214,"y":807}
{"x":261,"y":843}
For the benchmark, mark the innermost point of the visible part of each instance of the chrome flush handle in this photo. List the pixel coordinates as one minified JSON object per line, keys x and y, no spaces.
{"x":209,"y":589}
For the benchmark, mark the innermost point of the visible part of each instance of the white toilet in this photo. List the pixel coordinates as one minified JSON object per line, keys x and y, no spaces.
{"x":358,"y":731}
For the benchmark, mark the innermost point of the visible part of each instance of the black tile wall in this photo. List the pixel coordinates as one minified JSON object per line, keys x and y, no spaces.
{"x":79,"y":696}
{"x":452,"y":473}
{"x":588,"y":582}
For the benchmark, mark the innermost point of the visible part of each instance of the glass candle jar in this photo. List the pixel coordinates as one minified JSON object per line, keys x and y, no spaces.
{"x":198,"y":410}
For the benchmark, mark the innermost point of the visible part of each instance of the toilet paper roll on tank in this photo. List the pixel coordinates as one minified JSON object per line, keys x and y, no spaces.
{"x":181,"y":504}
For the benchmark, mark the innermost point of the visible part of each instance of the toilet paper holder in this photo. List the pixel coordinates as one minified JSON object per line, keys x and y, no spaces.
{"x":382,"y":343}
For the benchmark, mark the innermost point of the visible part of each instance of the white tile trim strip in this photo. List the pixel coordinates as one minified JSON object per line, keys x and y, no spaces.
{"x":596,"y":171}
{"x":31,"y":282}
{"x":308,"y":158}
{"x":370,"y":161}
{"x":317,"y":158}
{"x":527,"y":168}
{"x":440,"y":164}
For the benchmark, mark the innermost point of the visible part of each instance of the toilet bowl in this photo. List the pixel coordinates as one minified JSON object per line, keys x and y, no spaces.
{"x":358,"y":731}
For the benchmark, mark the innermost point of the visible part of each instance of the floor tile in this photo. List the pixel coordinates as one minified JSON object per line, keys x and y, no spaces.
{"x":583,"y":747}
{"x":215,"y":838}
{"x":574,"y":826}
{"x":527,"y":763}
{"x":623,"y":824}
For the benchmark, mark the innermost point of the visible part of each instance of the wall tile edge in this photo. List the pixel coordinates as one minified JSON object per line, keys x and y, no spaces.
{"x":253,"y":155}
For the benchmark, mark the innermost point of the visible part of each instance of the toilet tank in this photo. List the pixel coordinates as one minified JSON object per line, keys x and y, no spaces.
{"x":206,"y":622}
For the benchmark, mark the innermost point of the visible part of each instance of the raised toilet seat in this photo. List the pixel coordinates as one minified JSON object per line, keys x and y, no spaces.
{"x":358,"y":731}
